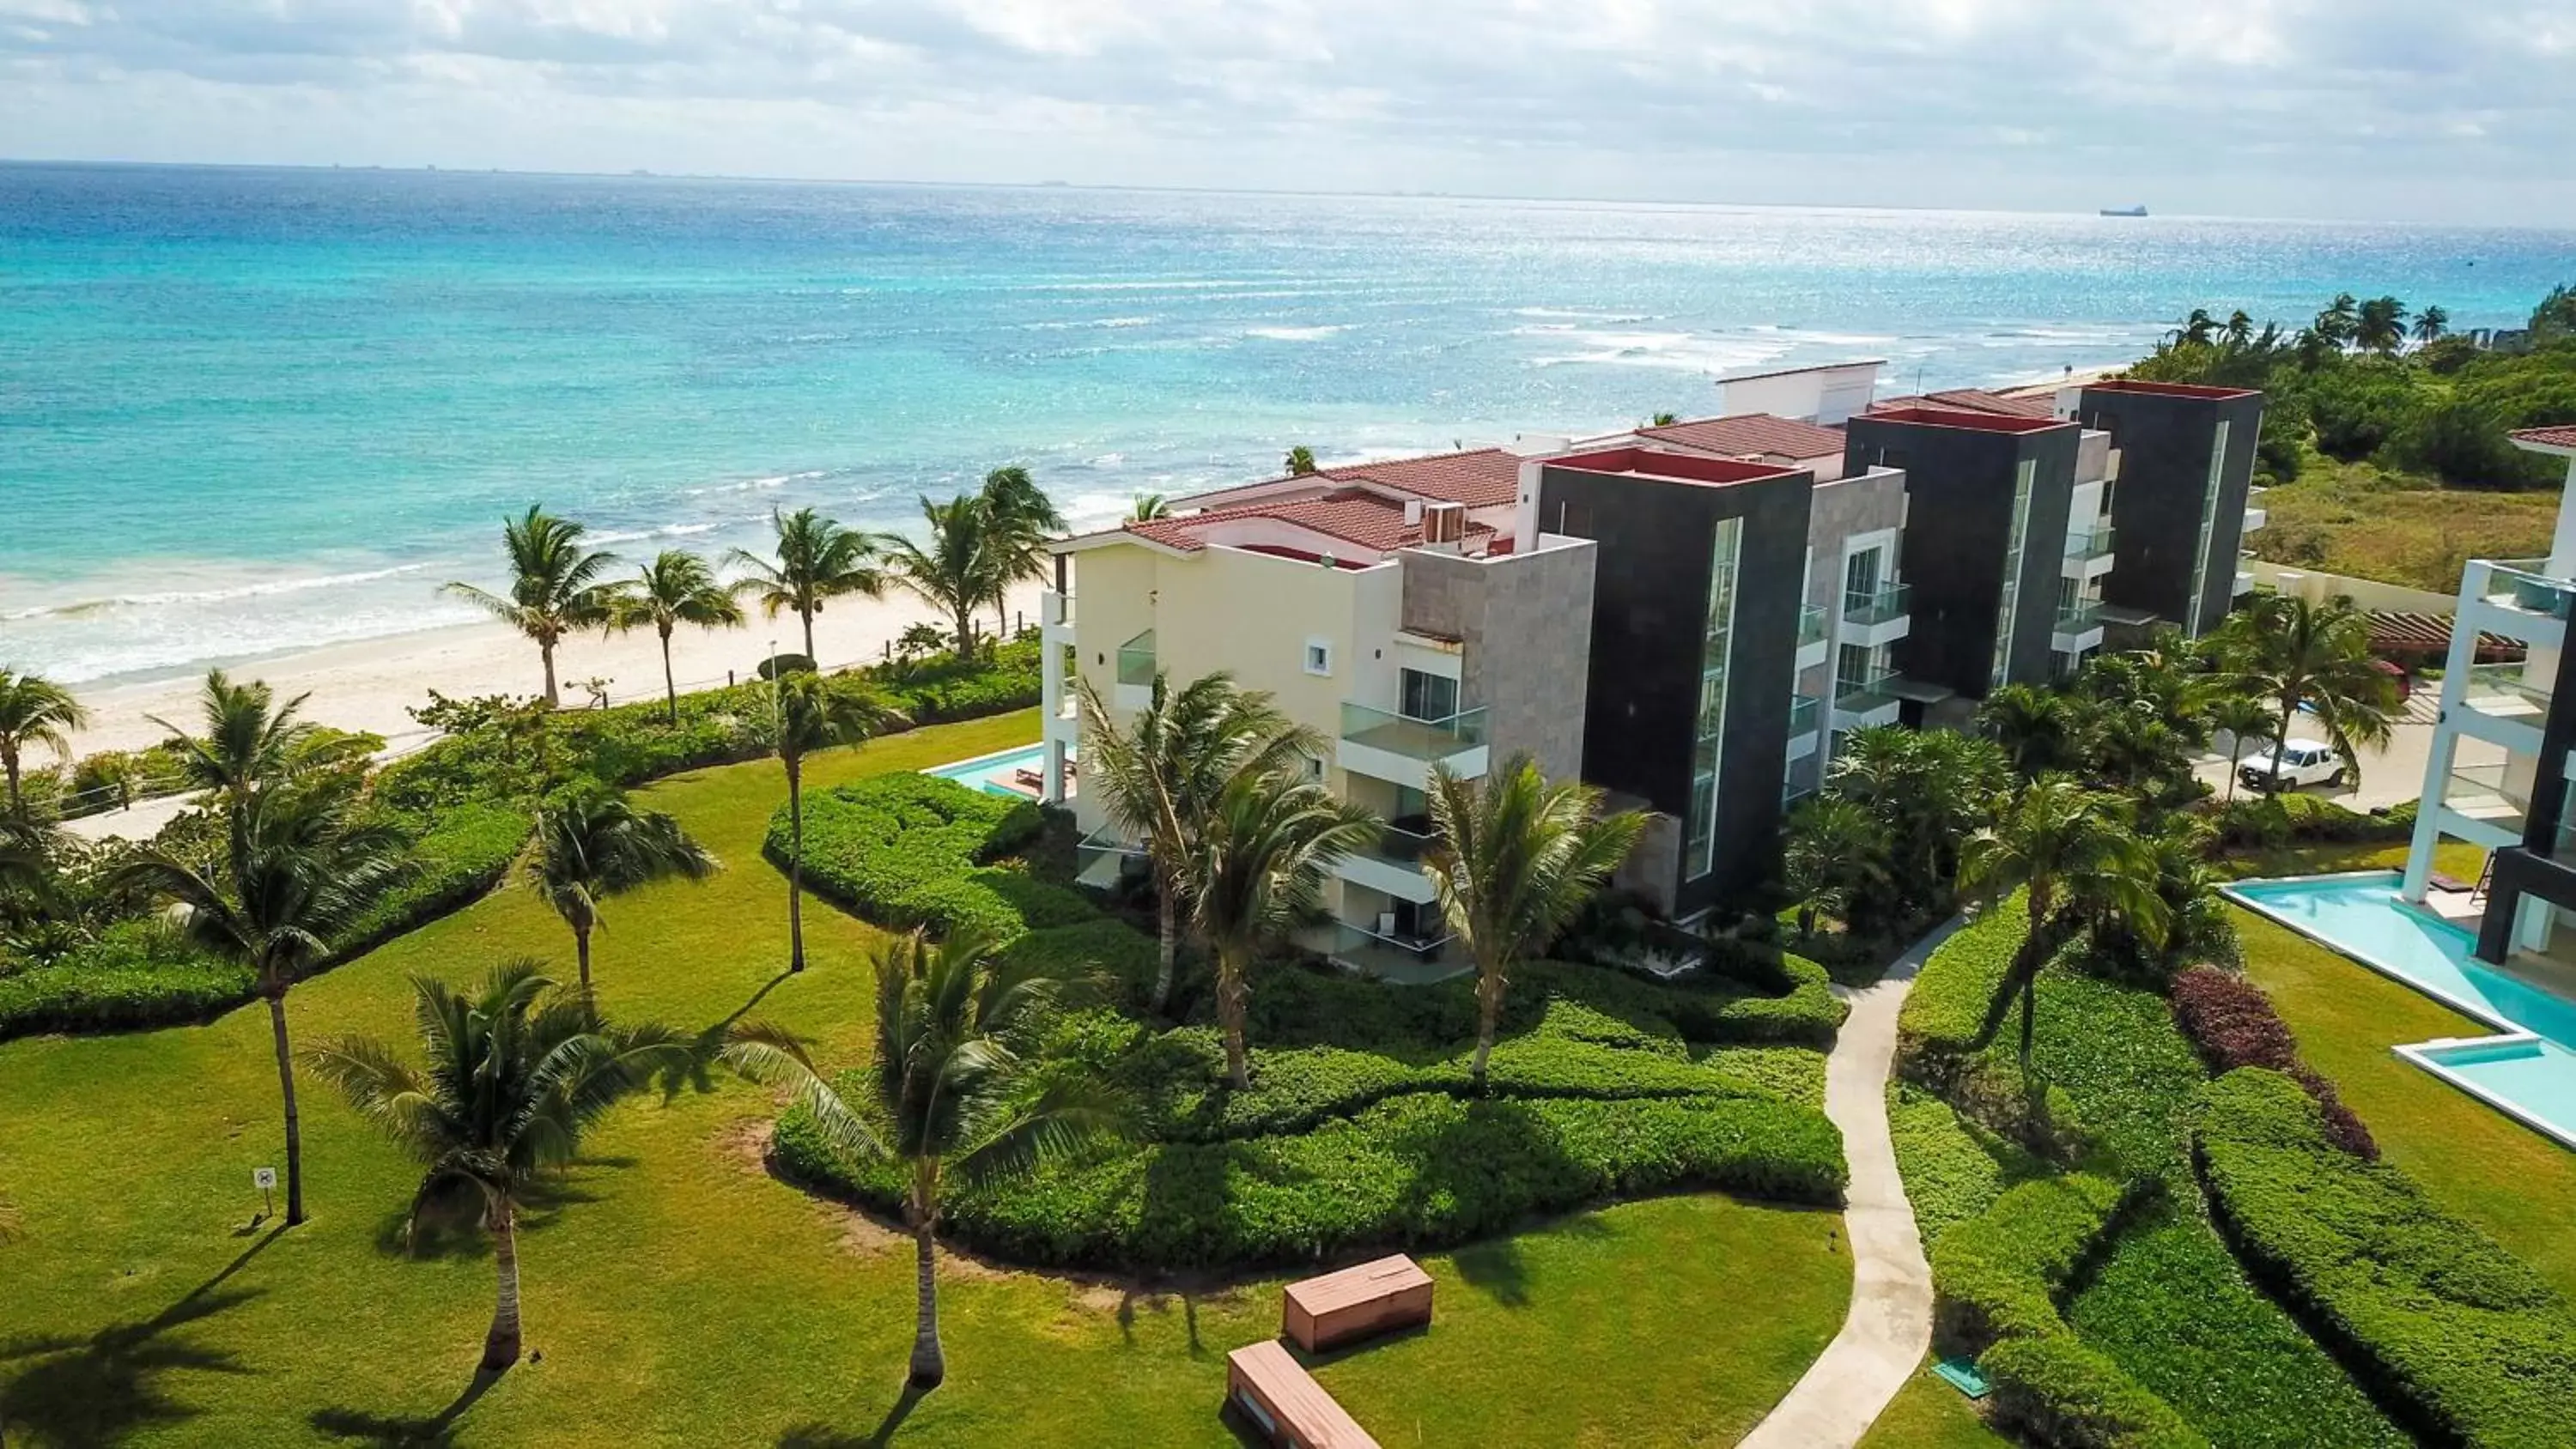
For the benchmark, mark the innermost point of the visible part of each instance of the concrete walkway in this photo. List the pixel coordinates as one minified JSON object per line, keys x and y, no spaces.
{"x":1889,"y":1327}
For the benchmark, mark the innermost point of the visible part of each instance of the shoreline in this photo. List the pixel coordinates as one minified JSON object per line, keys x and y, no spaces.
{"x":369,"y":685}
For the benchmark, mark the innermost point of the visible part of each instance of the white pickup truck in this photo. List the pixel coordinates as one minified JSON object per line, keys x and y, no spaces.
{"x":2303,"y":762}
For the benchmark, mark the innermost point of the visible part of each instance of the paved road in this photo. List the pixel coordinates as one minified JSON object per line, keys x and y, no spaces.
{"x":1889,"y":1325}
{"x":2389,"y":777}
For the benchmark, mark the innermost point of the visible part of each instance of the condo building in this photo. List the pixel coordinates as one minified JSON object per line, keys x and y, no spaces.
{"x":2185,"y":499}
{"x":2497,"y":773}
{"x":1692,"y":616}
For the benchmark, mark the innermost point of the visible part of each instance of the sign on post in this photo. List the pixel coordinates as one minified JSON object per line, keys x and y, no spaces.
{"x":265,"y":1179}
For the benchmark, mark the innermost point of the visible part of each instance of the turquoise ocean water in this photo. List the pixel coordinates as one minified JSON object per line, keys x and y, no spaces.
{"x":246,"y":411}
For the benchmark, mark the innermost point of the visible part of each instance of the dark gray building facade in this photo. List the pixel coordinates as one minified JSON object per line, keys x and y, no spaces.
{"x":2178,"y":506}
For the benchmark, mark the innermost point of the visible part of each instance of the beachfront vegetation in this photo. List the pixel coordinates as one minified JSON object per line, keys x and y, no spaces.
{"x":2389,"y":462}
{"x":34,"y":712}
{"x":808,"y":713}
{"x":556,"y":586}
{"x":1514,"y":859}
{"x":965,"y":562}
{"x":592,"y":843}
{"x":1021,"y":518}
{"x":817,"y":561}
{"x":676,"y":588}
{"x":517,"y":1074}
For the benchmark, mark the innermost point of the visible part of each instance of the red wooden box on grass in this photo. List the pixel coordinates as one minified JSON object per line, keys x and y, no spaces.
{"x":1372,"y":1298}
{"x":1284,"y":1402}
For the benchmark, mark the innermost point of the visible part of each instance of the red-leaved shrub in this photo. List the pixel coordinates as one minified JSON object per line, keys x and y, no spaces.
{"x":2233,"y":1024}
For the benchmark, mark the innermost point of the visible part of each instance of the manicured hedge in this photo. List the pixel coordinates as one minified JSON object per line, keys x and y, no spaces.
{"x":1953,"y":1168}
{"x":139,"y":973}
{"x":1416,"y":1171}
{"x":2059,"y":1390}
{"x":916,"y":850}
{"x":2292,"y":818}
{"x":1946,"y":1007}
{"x":2233,"y":1023}
{"x":2473,"y":1343}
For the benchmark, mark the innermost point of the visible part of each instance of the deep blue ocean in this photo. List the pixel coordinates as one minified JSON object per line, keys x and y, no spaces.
{"x":244,"y":411}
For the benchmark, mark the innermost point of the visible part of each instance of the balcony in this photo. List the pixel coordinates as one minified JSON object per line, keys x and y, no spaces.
{"x":1136,"y":672}
{"x":2087,"y":547}
{"x":1102,"y":857}
{"x":1388,"y":746}
{"x":1055,"y":617}
{"x":1865,"y":701}
{"x":1876,"y":617}
{"x":1393,"y":866}
{"x":1806,"y":713}
{"x":1405,"y":960}
{"x":2478,"y":796}
{"x":2077,"y":627}
{"x":1812,"y":632}
{"x":2499,"y":705}
{"x":2255,"y":516}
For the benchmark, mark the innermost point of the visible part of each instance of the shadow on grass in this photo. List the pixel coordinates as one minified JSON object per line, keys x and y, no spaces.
{"x":824,"y":1436}
{"x":394,"y":1432}
{"x":455,"y":1229}
{"x":99,"y":1389}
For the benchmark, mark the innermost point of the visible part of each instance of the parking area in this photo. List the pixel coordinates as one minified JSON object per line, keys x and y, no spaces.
{"x":2388,"y":777}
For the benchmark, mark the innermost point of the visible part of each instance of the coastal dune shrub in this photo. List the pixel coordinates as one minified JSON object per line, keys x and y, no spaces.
{"x":2469,"y":1340}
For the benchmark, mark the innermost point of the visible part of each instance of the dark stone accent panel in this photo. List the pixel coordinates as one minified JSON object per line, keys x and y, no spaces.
{"x":2532,"y":867}
{"x":2164,"y":444}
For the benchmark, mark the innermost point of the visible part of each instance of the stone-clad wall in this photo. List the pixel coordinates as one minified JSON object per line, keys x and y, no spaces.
{"x":1525,"y":624}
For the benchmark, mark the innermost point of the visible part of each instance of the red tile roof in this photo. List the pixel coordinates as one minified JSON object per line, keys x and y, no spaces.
{"x":1350,"y":515}
{"x":2547,"y":437}
{"x":1752,"y":434}
{"x":1478,"y":477}
{"x":1972,"y":400}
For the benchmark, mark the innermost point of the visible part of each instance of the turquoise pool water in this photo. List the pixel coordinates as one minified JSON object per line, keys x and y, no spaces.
{"x":997,"y":774}
{"x":2530,"y":1072}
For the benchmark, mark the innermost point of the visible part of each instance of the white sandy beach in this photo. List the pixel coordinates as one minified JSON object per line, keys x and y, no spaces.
{"x":369,"y":686}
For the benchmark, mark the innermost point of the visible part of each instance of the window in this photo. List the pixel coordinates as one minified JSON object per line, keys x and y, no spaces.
{"x":2208,"y":527}
{"x":1717,"y":646}
{"x":1319,"y":656}
{"x":1860,"y":577}
{"x":1853,"y":666}
{"x":1422,"y":696}
{"x":2023,"y":479}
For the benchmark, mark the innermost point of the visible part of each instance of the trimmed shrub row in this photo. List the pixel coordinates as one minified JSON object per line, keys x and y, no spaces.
{"x":2291,"y":818}
{"x":141,"y":974}
{"x":1997,"y":1277}
{"x":915,"y":850}
{"x":2234,"y":1025}
{"x":2470,"y":1341}
{"x":1417,"y":1171}
{"x":1946,"y":1007}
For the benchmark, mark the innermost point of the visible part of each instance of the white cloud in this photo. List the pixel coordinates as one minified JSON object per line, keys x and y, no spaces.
{"x":2381,"y":107}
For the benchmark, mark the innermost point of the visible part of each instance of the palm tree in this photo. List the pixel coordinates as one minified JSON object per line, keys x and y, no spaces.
{"x":2063,"y":846}
{"x":818,"y":560}
{"x":33,"y":711}
{"x":2304,"y":656}
{"x":2239,"y":330}
{"x":2198,"y":326}
{"x":2039,"y":729}
{"x":304,"y":867}
{"x":2247,"y":721}
{"x":2432,"y":325}
{"x":592,"y":843}
{"x":1148,"y":507}
{"x":1930,"y":788}
{"x":1664,"y":420}
{"x":963,"y":566}
{"x":2381,"y":325}
{"x":1161,"y":776}
{"x":516,"y":1073}
{"x":1020,"y":518}
{"x":674,"y":589}
{"x":2340,"y":322}
{"x":1834,"y":854}
{"x":1259,"y":868}
{"x":1301,"y":461}
{"x":950,"y":1095}
{"x":1516,"y":859}
{"x":809,"y":714}
{"x":251,"y":744}
{"x":555,"y":588}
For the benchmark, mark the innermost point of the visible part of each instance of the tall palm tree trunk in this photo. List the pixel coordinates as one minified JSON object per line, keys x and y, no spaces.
{"x":501,"y":1345}
{"x":795,"y":871}
{"x":17,"y":799}
{"x":1167,"y":936}
{"x":807,"y":614}
{"x":2235,"y":752}
{"x":929,"y":1362}
{"x":546,"y":652}
{"x":2281,"y":741}
{"x":965,"y":631}
{"x":1489,"y":1015}
{"x":286,"y":1089}
{"x":670,"y":685}
{"x":581,"y":952}
{"x":1233,"y":994}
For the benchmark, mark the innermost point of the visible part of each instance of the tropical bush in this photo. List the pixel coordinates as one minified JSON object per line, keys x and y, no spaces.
{"x":2470,"y":1341}
{"x":2291,"y":818}
{"x":915,"y":850}
{"x":2233,"y":1023}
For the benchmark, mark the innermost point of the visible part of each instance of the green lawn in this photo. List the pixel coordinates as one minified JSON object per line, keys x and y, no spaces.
{"x":1929,"y":1414}
{"x":678,"y":1295}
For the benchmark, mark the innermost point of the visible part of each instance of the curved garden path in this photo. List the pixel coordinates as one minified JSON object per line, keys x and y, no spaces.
{"x":1889,"y":1325}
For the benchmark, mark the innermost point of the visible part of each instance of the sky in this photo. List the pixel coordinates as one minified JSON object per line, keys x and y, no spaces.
{"x":2370,"y":109}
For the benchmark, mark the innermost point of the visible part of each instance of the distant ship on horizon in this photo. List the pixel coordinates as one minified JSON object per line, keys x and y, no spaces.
{"x":2138,"y":210}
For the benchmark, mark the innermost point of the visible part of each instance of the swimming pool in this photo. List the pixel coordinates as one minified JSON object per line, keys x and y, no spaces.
{"x":999,"y":773}
{"x":2528,"y":1071}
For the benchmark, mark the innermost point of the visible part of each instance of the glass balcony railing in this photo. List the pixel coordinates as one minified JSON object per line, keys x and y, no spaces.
{"x":2093,"y":543}
{"x":1864,"y":693}
{"x":2478,"y":792}
{"x":2501,"y":689}
{"x":1136,"y":661}
{"x":1427,"y":740}
{"x":1397,"y":958}
{"x":1886,"y":604}
{"x":1803,"y":709}
{"x":1811,"y":625}
{"x":2520,"y":584}
{"x":2078,"y":616}
{"x":1404,"y":843}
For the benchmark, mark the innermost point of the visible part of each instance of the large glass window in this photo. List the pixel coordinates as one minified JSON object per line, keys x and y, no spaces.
{"x":2208,"y":527}
{"x":2023,"y":479}
{"x":1717,"y":645}
{"x":1432,"y":697}
{"x":1860,"y":574}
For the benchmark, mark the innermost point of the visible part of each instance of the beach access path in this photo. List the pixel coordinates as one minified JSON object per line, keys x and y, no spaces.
{"x":1889,"y":1326}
